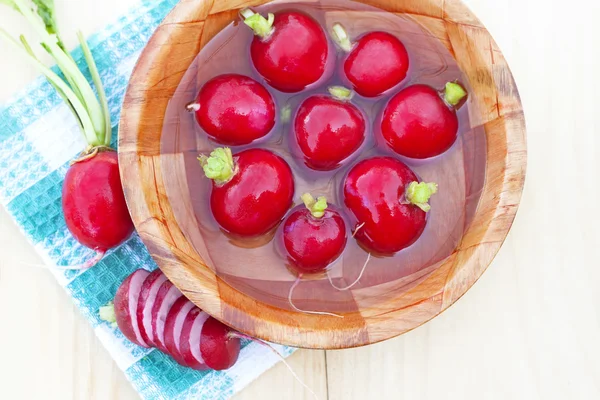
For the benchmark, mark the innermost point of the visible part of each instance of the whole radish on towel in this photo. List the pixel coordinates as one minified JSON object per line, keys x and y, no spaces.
{"x":92,"y":199}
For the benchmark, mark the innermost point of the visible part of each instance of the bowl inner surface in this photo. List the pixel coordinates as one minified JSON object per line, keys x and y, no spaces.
{"x":246,"y":283}
{"x":258,"y":267}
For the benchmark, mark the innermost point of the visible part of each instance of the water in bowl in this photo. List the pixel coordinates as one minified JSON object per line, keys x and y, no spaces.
{"x":257,"y":267}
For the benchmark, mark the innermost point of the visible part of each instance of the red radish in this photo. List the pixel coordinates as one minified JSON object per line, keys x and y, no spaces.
{"x":125,"y":306}
{"x":289,"y":50}
{"x":93,"y":203}
{"x":191,"y":337}
{"x":196,"y":336}
{"x":251,"y":191}
{"x":219,"y":345}
{"x":188,"y":341}
{"x":174,"y":326}
{"x":234,"y":109}
{"x":314,"y":236}
{"x":388,"y":202}
{"x":328,"y":130}
{"x":148,"y":294}
{"x":92,"y":197}
{"x":167,"y":295}
{"x":376,"y":63}
{"x":419,"y":123}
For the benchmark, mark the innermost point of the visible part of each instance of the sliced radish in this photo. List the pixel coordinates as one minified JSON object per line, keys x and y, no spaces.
{"x":167,"y":296}
{"x":196,"y":336}
{"x":195,"y":318}
{"x":219,"y":349}
{"x":125,"y":302}
{"x":145,"y":303}
{"x":173,"y":327}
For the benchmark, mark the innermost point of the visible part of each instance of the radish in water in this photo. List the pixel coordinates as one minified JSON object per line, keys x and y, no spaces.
{"x":93,"y":202}
{"x":420,"y":122}
{"x":289,"y":50}
{"x":329,"y":130}
{"x":388,"y":202}
{"x":251,"y":191}
{"x":234,"y":109}
{"x":314,"y":236}
{"x":376,"y":63}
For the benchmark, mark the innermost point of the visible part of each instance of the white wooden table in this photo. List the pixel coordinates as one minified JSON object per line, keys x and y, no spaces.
{"x":529,"y":329}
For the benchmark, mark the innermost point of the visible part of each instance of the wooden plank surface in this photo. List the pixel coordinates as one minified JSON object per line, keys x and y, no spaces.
{"x":527,"y":330}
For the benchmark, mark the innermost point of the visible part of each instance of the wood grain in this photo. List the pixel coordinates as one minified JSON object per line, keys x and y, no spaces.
{"x":526,"y":330}
{"x":495,"y":106}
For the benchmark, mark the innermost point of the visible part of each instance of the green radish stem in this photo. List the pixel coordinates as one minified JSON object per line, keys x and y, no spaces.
{"x":79,"y":108}
{"x":420,"y":193}
{"x":87,"y":54}
{"x":219,"y":166}
{"x":67,"y":65}
{"x":91,"y":112}
{"x":262,"y":27}
{"x":286,"y":114}
{"x":107,"y":313}
{"x":316,"y":207}
{"x":340,"y":36}
{"x":60,"y":92}
{"x":454,"y":93}
{"x":340,"y":93}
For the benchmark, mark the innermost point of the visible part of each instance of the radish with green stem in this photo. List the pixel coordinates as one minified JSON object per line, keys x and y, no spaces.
{"x":420,"y":122}
{"x":388,"y":203}
{"x":313,"y":235}
{"x":329,"y":129}
{"x":251,"y":190}
{"x":289,"y":49}
{"x":92,"y":200}
{"x":376,"y":63}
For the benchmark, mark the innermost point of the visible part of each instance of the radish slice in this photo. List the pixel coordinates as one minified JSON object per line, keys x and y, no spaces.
{"x":196,"y":336}
{"x":219,"y":349}
{"x":145,"y":303}
{"x":173,"y":327}
{"x":125,"y":302}
{"x":167,"y":296}
{"x":185,"y":342}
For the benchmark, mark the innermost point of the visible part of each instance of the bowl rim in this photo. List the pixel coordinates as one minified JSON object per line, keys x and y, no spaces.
{"x":184,"y":31}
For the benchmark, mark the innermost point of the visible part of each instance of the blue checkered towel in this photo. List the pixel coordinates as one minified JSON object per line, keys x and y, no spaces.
{"x":38,"y":137}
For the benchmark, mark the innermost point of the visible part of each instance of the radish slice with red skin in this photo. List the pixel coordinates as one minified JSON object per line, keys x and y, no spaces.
{"x":196,"y":336}
{"x":145,"y":303}
{"x":185,"y":339}
{"x":220,"y":349}
{"x":167,"y":296}
{"x":174,"y":326}
{"x":125,"y":304}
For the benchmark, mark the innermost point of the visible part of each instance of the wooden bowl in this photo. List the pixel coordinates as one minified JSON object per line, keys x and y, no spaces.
{"x":494,"y":107}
